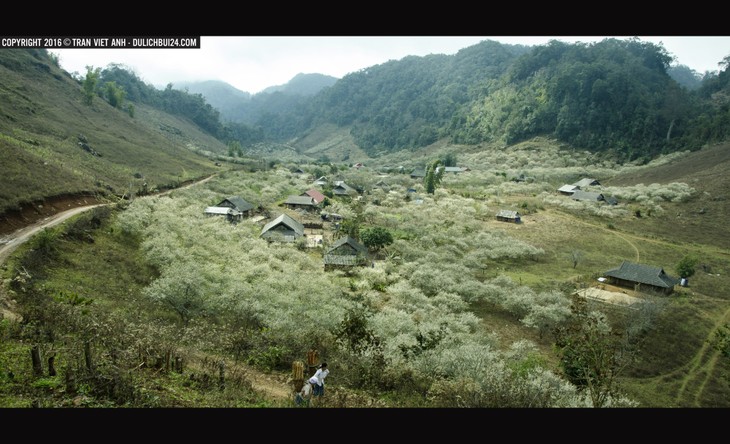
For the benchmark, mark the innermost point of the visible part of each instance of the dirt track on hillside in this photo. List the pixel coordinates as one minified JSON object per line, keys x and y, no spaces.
{"x":267,"y":385}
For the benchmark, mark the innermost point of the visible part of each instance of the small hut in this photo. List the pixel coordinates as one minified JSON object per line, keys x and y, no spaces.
{"x":508,"y":216}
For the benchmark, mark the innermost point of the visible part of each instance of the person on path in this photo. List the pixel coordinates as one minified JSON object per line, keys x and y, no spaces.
{"x":317,"y":380}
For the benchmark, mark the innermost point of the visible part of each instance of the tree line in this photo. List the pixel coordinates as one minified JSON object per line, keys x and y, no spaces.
{"x":614,"y":95}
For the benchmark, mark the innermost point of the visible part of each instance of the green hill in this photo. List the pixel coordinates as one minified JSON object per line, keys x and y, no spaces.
{"x":52,"y":143}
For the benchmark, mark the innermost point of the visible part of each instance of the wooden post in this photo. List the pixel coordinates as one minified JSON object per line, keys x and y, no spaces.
{"x":222,"y":375}
{"x":70,"y":379}
{"x":35,"y":355}
{"x":51,"y":365}
{"x":298,"y":375}
{"x":312,"y":360}
{"x":87,"y":356}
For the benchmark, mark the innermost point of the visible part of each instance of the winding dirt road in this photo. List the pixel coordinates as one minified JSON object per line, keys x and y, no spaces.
{"x":267,"y":385}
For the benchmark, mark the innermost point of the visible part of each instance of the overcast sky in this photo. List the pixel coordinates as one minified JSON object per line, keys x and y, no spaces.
{"x":252,"y":64}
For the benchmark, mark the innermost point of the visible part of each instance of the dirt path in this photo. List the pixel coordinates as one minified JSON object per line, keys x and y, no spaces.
{"x":702,"y":366}
{"x":271,"y":386}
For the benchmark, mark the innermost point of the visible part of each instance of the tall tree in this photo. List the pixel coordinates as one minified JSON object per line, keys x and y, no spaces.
{"x":592,"y":354}
{"x":89,"y":85}
{"x":433,"y":176}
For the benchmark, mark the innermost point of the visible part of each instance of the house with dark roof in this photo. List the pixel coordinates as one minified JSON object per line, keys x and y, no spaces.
{"x":314,"y":194}
{"x":300,"y":202}
{"x":508,"y":216}
{"x":237,"y":203}
{"x":345,"y":252}
{"x":418,"y":173}
{"x":382,"y":185}
{"x":284,"y":228}
{"x":586,"y":182}
{"x":342,"y":189}
{"x":641,"y":277}
{"x":587,"y":196}
{"x":322,"y":181}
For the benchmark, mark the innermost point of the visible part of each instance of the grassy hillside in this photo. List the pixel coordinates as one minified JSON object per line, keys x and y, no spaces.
{"x":457,"y":287}
{"x":44,"y":121}
{"x":702,"y":218}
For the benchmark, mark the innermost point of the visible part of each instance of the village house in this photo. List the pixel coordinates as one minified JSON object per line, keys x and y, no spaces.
{"x":232,"y":215}
{"x":418,"y":173}
{"x":322,"y":181}
{"x":284,"y":229}
{"x":314,"y":194}
{"x":587,"y":196}
{"x":300,"y":202}
{"x":568,"y":189}
{"x":342,"y":189}
{"x":452,"y":169}
{"x":345,"y":252}
{"x":508,"y":216}
{"x":640,"y":277}
{"x":232,"y":208}
{"x":237,"y":203}
{"x":586,"y":182}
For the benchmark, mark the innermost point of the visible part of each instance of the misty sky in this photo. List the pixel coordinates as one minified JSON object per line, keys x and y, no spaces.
{"x":252,"y":64}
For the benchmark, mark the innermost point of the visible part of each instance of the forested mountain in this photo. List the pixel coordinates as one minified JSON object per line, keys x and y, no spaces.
{"x":220,"y":95}
{"x":236,"y":106}
{"x":303,"y":84}
{"x":611,"y":95}
{"x":621,"y":96}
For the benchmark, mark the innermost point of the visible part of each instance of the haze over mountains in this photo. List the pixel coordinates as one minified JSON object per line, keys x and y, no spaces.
{"x":240,"y":106}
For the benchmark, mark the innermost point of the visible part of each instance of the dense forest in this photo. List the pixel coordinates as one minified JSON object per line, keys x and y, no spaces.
{"x":617,"y":95}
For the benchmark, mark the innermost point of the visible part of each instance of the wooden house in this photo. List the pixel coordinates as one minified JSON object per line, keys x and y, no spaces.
{"x":342,"y":189}
{"x":641,"y":277}
{"x":237,"y":203}
{"x":587,"y":196}
{"x":568,"y":189}
{"x":231,"y":214}
{"x":345,"y":252}
{"x":284,"y":229}
{"x":586,"y":182}
{"x":314,"y":194}
{"x":509,"y":216}
{"x":300,"y":202}
{"x":418,"y":173}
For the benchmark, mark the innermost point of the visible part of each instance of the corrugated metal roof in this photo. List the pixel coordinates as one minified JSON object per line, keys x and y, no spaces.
{"x":300,"y":200}
{"x":221,"y":211}
{"x":316,"y":195}
{"x":509,"y":214}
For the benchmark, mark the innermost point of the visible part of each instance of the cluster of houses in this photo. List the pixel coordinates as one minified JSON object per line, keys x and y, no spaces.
{"x":348,"y":252}
{"x":344,"y":252}
{"x":577,"y":191}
